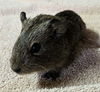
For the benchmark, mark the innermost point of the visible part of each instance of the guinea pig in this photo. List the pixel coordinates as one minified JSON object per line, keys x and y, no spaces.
{"x":47,"y":43}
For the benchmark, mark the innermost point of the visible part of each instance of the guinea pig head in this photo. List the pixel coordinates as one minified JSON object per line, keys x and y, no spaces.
{"x":44,"y":43}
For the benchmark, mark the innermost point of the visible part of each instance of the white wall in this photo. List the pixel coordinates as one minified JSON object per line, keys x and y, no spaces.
{"x":48,"y":6}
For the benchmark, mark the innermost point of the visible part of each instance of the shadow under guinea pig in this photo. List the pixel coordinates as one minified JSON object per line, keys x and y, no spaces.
{"x":87,"y":56}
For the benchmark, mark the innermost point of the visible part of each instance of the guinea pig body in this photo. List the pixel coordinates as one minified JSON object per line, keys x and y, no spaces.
{"x":47,"y":43}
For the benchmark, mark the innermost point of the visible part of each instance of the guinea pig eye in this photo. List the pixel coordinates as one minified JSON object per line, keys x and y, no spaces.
{"x":35,"y":48}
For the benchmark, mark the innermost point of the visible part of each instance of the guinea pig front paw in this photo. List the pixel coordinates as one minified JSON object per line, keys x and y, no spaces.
{"x":51,"y":75}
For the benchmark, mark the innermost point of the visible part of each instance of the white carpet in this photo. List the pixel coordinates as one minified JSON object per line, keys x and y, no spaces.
{"x":83,"y":79}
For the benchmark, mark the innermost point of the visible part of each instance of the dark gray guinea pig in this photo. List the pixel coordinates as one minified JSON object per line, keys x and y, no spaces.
{"x":47,"y":43}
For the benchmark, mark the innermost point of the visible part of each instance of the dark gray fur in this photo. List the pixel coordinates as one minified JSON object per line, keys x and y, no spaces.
{"x":59,"y":36}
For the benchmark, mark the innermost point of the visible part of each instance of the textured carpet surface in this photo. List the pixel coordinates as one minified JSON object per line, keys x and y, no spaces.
{"x":82,"y":76}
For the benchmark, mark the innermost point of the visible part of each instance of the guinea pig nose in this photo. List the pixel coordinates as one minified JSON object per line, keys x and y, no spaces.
{"x":18,"y":70}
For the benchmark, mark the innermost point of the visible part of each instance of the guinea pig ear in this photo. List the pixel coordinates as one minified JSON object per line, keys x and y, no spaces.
{"x":68,"y":30}
{"x":23,"y":17}
{"x":73,"y":25}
